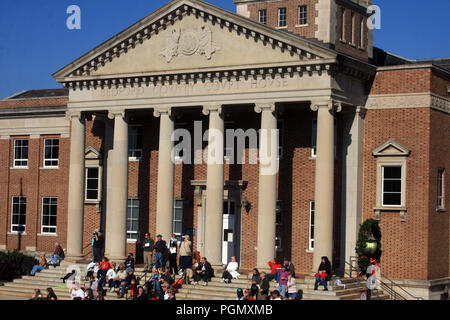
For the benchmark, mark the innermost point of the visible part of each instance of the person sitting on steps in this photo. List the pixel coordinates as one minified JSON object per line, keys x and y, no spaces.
{"x":204,"y":271}
{"x":41,"y":266}
{"x":58,"y":255}
{"x":231,"y":271}
{"x":324,"y":274}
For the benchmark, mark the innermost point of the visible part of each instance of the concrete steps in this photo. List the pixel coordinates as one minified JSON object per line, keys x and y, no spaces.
{"x":216,"y":289}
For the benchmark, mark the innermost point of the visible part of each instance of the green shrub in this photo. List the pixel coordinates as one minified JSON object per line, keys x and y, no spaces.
{"x":14,"y":264}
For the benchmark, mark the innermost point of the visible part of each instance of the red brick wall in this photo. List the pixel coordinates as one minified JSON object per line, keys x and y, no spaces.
{"x":438,"y":246}
{"x":291,"y":12}
{"x":404,"y":244}
{"x":402,"y":81}
{"x":34,"y":183}
{"x":356,"y":49}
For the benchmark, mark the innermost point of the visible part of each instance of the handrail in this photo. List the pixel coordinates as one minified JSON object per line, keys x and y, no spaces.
{"x":388,"y":288}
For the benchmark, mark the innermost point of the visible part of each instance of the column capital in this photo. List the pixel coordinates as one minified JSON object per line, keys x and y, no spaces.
{"x":331,"y":105}
{"x":259,"y":107}
{"x":207,"y":109}
{"x":361,"y":111}
{"x":70,"y":114}
{"x":112,"y":114}
{"x":158,"y":111}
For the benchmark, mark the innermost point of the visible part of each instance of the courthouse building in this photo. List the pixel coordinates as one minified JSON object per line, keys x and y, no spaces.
{"x":362,"y":134}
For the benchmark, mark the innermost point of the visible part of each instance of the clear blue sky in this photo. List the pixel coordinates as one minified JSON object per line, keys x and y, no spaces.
{"x":34,"y":40}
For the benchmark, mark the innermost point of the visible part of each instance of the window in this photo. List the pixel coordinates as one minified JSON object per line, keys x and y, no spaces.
{"x":229,"y":207}
{"x":314,"y":138}
{"x":135,"y":142}
{"x":51,"y":152}
{"x":19,"y":210}
{"x":278,"y":242}
{"x":278,"y":225}
{"x":21,"y":153}
{"x":343,"y":24}
{"x":133,"y":219}
{"x":361,"y":34}
{"x":92,"y":184}
{"x":278,"y":212}
{"x":228,"y":151}
{"x":312,"y":210}
{"x":441,"y":190}
{"x":49,"y":206}
{"x":280,"y":126}
{"x":262,"y":16}
{"x":352,"y":28}
{"x":282,"y":17}
{"x":392,"y":186}
{"x":302,"y":15}
{"x":178,"y":208}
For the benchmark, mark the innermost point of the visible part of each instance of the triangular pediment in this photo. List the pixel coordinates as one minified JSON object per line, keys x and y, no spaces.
{"x":92,"y":153}
{"x":391,"y":148}
{"x":190,"y":35}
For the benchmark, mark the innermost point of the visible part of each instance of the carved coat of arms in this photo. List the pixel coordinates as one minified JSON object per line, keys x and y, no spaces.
{"x":188,"y":42}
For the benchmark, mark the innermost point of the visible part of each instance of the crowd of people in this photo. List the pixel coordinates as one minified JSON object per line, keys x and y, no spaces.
{"x":161,"y":270}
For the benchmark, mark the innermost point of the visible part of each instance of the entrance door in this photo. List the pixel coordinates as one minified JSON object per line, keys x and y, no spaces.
{"x":230,"y":235}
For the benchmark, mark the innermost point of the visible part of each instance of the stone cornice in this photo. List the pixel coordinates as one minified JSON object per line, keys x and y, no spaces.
{"x":301,"y":69}
{"x":408,"y":100}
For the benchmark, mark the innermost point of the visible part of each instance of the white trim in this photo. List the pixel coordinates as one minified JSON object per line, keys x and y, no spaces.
{"x":12,"y":215}
{"x":86,"y":184}
{"x":279,"y":17}
{"x":310,"y":240}
{"x":42,"y":217}
{"x":21,"y":159}
{"x":50,"y":159}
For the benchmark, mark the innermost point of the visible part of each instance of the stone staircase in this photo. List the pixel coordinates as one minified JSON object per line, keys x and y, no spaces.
{"x":216,"y":290}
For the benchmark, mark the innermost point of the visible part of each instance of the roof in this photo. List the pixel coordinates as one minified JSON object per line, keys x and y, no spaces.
{"x":35,"y":94}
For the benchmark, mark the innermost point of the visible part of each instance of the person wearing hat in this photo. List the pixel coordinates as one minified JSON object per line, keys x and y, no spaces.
{"x":160,"y":249}
{"x":239,"y":294}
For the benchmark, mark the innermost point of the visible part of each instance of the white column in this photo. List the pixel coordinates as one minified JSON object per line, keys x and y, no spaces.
{"x":353,"y":181}
{"x":267,"y":185}
{"x":118,"y":188}
{"x":76,"y":188}
{"x":109,"y":145}
{"x":164,"y":198}
{"x":214,"y":186}
{"x":324,"y":189}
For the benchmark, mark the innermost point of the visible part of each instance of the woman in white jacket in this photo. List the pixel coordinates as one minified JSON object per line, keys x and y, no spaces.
{"x":231,"y":271}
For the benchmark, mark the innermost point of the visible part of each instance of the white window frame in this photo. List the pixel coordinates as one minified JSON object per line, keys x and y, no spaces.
{"x":99,"y":179}
{"x":311,"y":224}
{"x":441,"y":189}
{"x":21,"y":159}
{"x":342,"y":35}
{"x":303,"y":15}
{"x":42,"y":217}
{"x":175,"y":206}
{"x":13,"y":225}
{"x":279,"y":18}
{"x":130,"y":150}
{"x":352,"y":26}
{"x":390,"y":162}
{"x":361,"y":33}
{"x":133,"y":232}
{"x":50,"y":159}
{"x":383,"y":167}
{"x":280,"y":246}
{"x":262,"y":18}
